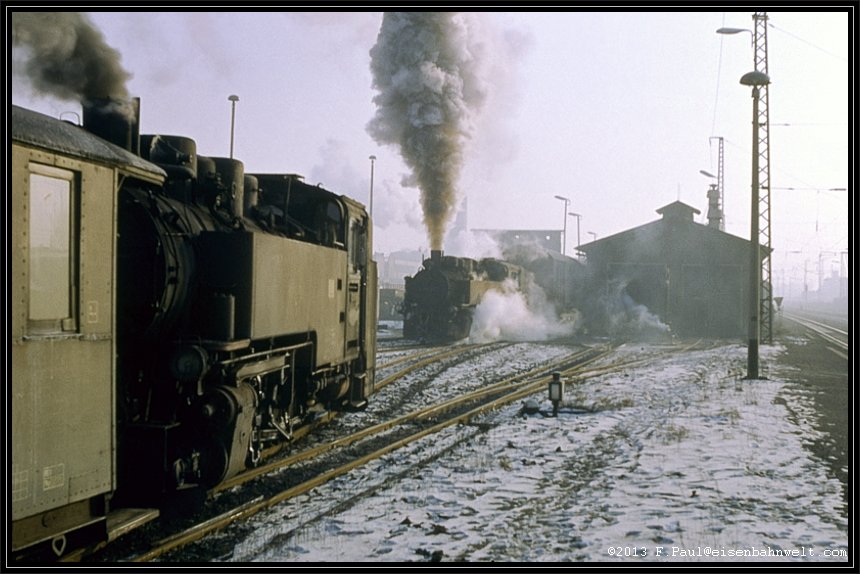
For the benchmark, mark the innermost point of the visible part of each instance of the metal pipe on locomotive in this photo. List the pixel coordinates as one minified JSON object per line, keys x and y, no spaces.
{"x":172,"y":317}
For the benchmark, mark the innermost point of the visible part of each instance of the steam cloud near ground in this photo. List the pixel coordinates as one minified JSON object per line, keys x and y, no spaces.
{"x":511,"y":315}
{"x":516,"y":316}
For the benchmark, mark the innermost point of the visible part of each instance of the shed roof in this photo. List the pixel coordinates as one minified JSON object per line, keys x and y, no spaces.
{"x":674,"y":214}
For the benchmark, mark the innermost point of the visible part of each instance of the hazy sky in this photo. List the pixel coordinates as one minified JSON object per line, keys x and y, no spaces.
{"x":615,"y":111}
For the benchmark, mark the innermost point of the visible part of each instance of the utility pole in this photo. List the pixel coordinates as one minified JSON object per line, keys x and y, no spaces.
{"x":763,"y":119}
{"x":759,"y":37}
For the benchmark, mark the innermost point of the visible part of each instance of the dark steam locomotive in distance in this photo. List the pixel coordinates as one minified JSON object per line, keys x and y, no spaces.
{"x":172,"y":317}
{"x":440,"y":299}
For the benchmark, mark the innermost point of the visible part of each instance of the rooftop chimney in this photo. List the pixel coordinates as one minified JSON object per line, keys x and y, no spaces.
{"x":715,"y":214}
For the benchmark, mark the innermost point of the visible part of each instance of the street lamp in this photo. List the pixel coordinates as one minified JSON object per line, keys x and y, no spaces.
{"x":755,"y":79}
{"x":593,"y":235}
{"x":564,"y":215}
{"x":234,"y":98}
{"x":578,"y":219}
{"x":737,"y":31}
{"x":372,"y":159}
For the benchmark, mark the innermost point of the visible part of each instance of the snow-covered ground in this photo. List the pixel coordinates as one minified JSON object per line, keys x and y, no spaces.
{"x":678,"y":460}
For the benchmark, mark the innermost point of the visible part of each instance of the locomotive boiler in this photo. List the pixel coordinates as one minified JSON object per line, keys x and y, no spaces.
{"x":440,"y":300}
{"x":172,"y":317}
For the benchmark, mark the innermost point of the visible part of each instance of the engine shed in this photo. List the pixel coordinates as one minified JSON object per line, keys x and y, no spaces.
{"x":694,"y":277}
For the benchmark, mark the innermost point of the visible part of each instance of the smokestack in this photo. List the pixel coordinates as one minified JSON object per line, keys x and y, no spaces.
{"x":114,"y":120}
{"x":435,"y":255}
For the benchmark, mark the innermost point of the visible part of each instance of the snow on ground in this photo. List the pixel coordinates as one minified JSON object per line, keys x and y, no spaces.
{"x":678,"y":460}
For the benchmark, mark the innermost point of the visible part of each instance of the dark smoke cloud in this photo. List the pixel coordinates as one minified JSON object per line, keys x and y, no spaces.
{"x":66,"y":56}
{"x":425,"y":68}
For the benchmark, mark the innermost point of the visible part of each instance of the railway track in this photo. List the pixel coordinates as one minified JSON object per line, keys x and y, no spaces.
{"x":417,"y":360}
{"x":836,"y":339}
{"x":373,"y":442}
{"x":278,"y":457}
{"x":415,"y":426}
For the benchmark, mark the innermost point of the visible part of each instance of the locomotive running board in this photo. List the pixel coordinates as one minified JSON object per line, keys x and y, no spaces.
{"x":124,"y":520}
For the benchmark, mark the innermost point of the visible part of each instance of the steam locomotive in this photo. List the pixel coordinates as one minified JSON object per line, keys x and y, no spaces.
{"x":441,"y":298}
{"x":439,"y":301}
{"x":172,"y":317}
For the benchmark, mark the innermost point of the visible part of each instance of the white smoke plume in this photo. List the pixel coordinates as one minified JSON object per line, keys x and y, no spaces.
{"x":511,"y":315}
{"x":426,"y":69}
{"x":626,"y":318}
{"x":64,"y":55}
{"x":472,"y":244}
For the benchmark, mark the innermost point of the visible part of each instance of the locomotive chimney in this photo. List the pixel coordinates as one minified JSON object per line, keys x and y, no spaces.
{"x":435,"y":254}
{"x":116,"y":121}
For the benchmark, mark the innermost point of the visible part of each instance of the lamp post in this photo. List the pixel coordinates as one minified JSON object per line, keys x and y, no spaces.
{"x":593,"y":235}
{"x":737,"y":31}
{"x":564,"y":215}
{"x":578,"y":219}
{"x":755,"y":79}
{"x":234,"y":98}
{"x":372,"y":160}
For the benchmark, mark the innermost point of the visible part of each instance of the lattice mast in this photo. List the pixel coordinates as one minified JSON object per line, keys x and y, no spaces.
{"x":760,"y":61}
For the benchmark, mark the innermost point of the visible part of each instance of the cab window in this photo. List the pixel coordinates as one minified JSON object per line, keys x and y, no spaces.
{"x":52,"y":257}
